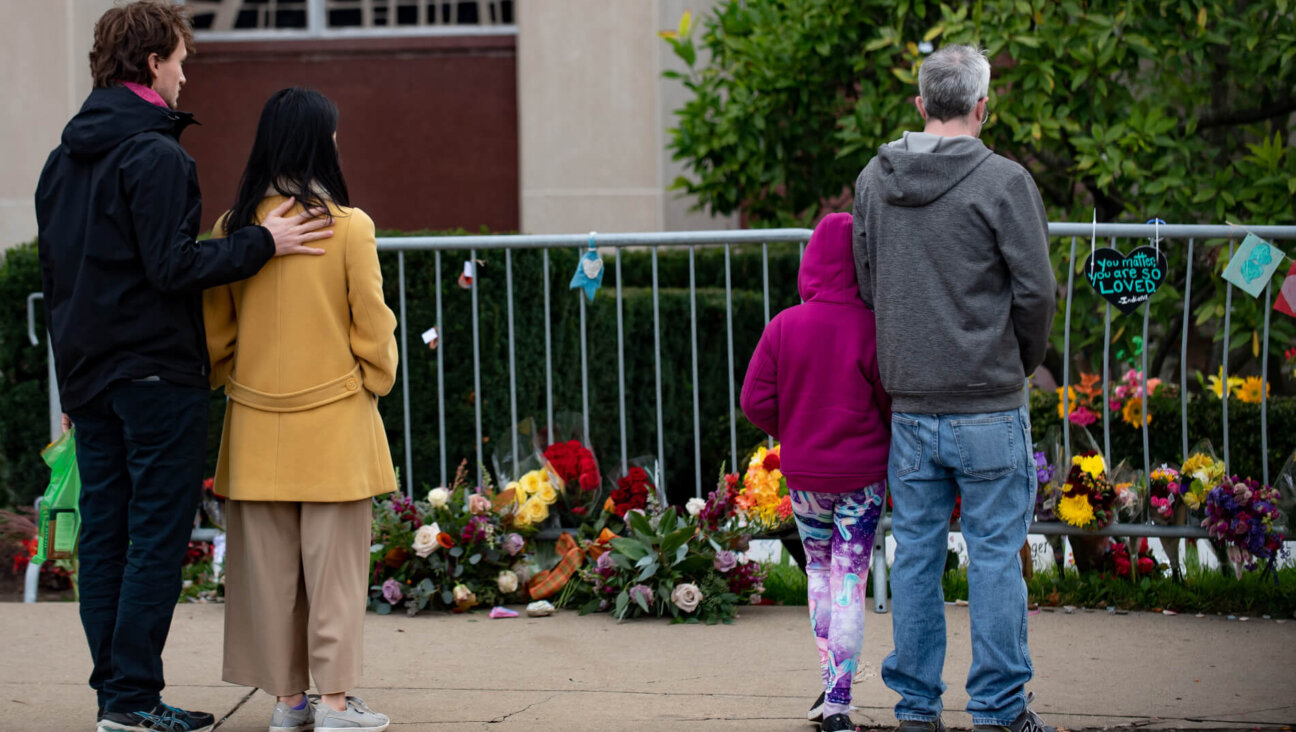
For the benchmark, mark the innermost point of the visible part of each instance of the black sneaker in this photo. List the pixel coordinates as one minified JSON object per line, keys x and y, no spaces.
{"x":912,"y":725}
{"x":1027,"y":721}
{"x":816,"y":710}
{"x":838,"y":723}
{"x":162,"y":719}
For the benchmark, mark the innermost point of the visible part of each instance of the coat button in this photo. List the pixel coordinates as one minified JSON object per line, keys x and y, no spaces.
{"x":352,"y":384}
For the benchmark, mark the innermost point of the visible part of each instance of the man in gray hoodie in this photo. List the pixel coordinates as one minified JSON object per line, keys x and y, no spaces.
{"x":951,"y":251}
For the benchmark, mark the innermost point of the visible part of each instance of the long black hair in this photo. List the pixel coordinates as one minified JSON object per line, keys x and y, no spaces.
{"x":294,"y":154}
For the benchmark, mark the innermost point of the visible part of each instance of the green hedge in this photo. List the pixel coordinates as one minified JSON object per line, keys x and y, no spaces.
{"x":23,"y":428}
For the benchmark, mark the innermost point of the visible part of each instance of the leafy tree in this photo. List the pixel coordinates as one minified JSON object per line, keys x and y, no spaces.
{"x":1179,"y":110}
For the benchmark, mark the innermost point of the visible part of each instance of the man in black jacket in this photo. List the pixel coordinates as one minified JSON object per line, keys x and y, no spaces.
{"x":118,"y":210}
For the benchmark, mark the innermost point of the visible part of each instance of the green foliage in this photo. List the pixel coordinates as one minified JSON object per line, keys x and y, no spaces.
{"x":1177,"y":110}
{"x":785,"y":583}
{"x":24,"y":427}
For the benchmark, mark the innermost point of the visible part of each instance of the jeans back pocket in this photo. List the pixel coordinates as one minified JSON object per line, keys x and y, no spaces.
{"x":906,"y":445}
{"x":987,"y":445}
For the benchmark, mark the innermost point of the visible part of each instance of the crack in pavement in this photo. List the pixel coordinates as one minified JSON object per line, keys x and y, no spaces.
{"x":523,"y":709}
{"x":237,"y":707}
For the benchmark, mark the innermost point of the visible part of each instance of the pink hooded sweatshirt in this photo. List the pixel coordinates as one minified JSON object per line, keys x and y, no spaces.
{"x":813,"y":382}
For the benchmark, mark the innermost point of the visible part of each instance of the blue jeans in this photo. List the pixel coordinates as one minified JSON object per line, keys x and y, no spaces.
{"x":986,"y":458}
{"x":140,"y":449}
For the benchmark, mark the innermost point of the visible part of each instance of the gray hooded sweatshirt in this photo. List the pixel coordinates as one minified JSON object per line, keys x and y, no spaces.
{"x":951,"y":253}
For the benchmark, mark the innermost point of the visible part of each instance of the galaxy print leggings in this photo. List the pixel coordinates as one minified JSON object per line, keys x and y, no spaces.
{"x":837,"y":531}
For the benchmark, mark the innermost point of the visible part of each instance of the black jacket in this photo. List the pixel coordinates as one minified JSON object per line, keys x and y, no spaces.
{"x":118,"y":211}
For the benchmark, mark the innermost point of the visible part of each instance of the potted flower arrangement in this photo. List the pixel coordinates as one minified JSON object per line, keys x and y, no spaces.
{"x":458,"y":548}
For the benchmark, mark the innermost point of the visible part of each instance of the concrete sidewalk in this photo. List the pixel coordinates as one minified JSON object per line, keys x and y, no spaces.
{"x":468,"y":672}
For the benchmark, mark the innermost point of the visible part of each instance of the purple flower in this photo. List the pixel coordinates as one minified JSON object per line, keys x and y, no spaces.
{"x":1043,"y":470}
{"x":641,"y":593}
{"x":725,"y":561}
{"x":391,"y":591}
{"x":604,"y":561}
{"x":513,"y":544}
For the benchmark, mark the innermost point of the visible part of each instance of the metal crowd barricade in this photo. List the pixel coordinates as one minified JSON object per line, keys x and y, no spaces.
{"x":727,"y":239}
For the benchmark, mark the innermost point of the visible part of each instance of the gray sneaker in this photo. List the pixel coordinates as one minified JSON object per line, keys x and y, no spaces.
{"x":287,"y":719}
{"x":913,"y":725}
{"x":357,"y":717}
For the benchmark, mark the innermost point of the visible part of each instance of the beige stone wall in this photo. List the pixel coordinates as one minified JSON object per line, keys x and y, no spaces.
{"x":44,"y":46}
{"x":593,"y":112}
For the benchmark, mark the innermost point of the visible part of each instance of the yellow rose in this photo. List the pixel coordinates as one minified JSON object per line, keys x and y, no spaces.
{"x":530,"y":482}
{"x":546,"y":493}
{"x":533,"y":511}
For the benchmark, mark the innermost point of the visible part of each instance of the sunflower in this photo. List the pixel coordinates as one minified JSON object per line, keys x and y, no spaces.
{"x":1133,"y":413}
{"x":1252,"y":390}
{"x":1070,"y":403}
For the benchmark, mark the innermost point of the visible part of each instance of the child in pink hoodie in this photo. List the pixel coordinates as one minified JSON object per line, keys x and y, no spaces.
{"x":813,"y":384}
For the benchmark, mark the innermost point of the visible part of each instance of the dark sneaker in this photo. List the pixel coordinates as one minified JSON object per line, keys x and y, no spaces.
{"x":816,"y":710}
{"x":838,"y":723}
{"x":162,"y":719}
{"x":1027,"y":721}
{"x":911,"y":725}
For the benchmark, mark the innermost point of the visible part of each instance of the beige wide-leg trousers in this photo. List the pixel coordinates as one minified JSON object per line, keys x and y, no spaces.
{"x":296,"y":583}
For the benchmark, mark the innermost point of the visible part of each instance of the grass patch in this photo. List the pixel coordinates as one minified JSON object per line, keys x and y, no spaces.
{"x":1203,"y":590}
{"x":785,"y":583}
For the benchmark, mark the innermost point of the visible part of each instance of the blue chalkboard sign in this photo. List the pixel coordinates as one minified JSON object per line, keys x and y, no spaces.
{"x":1126,"y":281}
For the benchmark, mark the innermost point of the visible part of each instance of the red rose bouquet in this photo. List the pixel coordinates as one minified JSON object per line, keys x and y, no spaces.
{"x":577,"y":478}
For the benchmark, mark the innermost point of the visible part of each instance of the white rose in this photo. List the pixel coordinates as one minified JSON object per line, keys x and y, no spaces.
{"x":694,"y":506}
{"x":438,"y":497}
{"x":686,"y":597}
{"x":425,"y":539}
{"x":507,"y":581}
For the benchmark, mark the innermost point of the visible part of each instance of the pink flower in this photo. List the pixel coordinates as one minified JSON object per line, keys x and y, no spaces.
{"x":391,"y":591}
{"x":478,"y":504}
{"x":1083,"y":417}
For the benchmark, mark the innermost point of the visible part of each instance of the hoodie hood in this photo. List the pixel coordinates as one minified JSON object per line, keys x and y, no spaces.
{"x":828,"y":266}
{"x":110,"y":116}
{"x":921,"y":167}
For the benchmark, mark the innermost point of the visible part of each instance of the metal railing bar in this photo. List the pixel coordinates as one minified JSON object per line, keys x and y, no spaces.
{"x":1066,"y":359}
{"x":1264,"y":387}
{"x":513,"y":416}
{"x":440,"y":359}
{"x":1224,"y":372}
{"x":697,"y":416}
{"x":477,"y":394}
{"x":1106,"y":385}
{"x":661,"y":438}
{"x":549,"y":397}
{"x":1183,"y":351}
{"x":621,"y":387}
{"x":584,"y":355}
{"x":756,"y":236}
{"x":733,"y":411}
{"x":405,"y":389}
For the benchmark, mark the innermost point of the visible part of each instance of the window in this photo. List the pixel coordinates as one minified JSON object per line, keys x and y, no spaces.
{"x":235,"y":19}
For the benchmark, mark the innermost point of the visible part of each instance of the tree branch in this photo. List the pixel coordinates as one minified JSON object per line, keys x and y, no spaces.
{"x":1285,"y":104}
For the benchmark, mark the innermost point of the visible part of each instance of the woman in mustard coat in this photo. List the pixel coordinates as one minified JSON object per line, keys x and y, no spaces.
{"x":303,"y":349}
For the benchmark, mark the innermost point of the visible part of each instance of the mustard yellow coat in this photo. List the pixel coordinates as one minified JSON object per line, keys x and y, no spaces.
{"x":303,"y":349}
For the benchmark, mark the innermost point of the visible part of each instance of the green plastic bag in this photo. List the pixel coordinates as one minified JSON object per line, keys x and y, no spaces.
{"x":60,"y":517}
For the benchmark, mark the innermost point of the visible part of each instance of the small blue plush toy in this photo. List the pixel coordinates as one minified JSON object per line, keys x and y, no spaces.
{"x":589,"y":271}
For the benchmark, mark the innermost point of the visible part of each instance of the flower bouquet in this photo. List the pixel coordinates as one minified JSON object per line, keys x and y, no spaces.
{"x":1117,"y":560}
{"x":575,"y":474}
{"x":1163,"y":496}
{"x":689,"y":566}
{"x":1285,"y":484}
{"x":454,"y":550}
{"x":764,"y":500}
{"x":1088,"y":499}
{"x":1201,"y":471}
{"x":1243,"y":515}
{"x":637,"y":489}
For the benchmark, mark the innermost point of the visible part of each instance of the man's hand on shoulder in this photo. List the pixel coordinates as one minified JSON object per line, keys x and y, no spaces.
{"x":292,"y":233}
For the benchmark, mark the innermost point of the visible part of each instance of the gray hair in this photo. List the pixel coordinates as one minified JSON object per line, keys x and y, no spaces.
{"x":952,"y":80}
